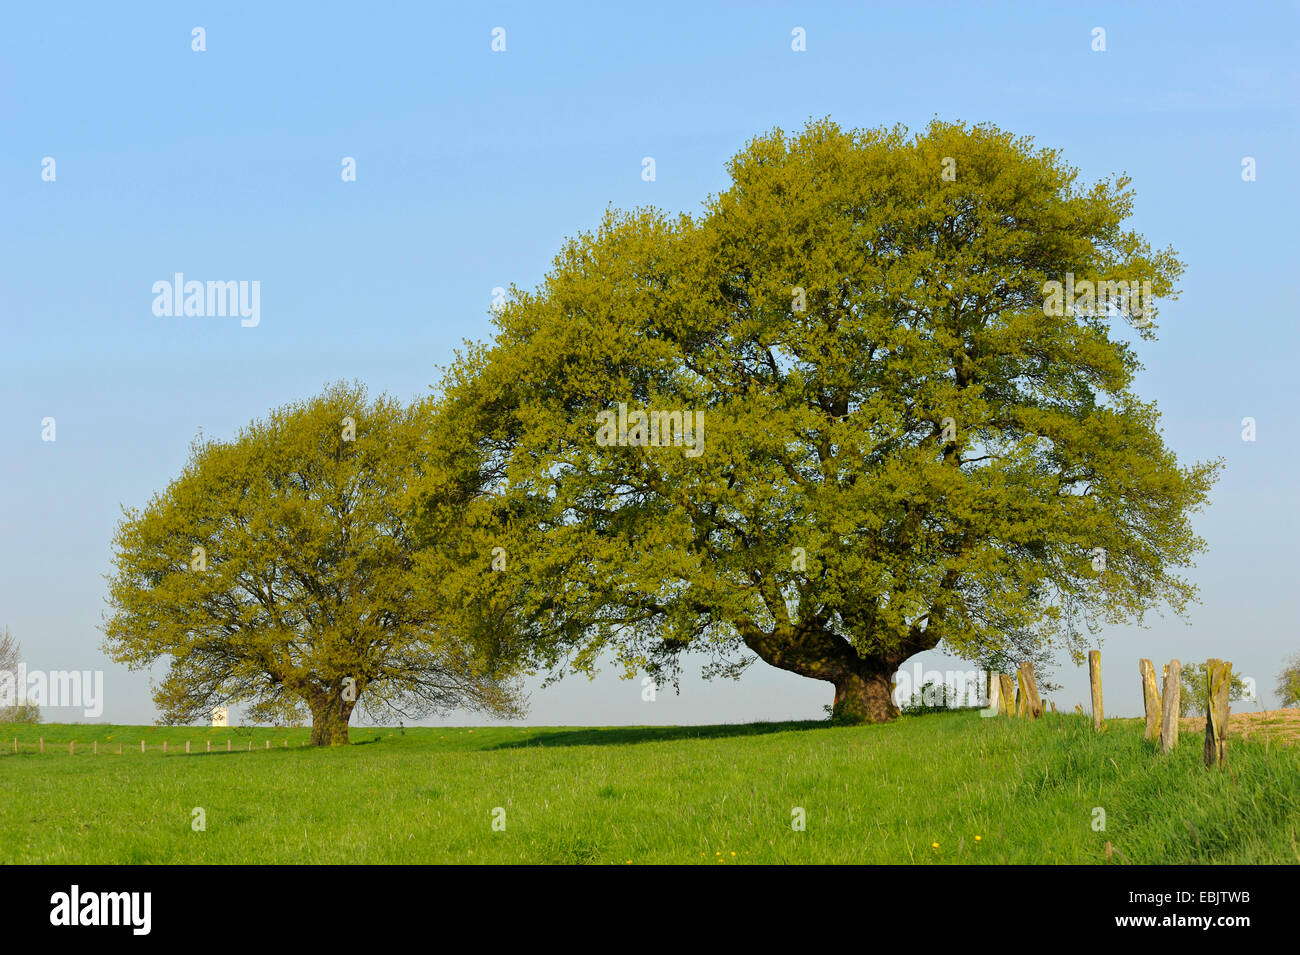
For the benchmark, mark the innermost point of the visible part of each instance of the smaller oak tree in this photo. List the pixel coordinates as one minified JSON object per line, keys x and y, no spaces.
{"x":279,"y":571}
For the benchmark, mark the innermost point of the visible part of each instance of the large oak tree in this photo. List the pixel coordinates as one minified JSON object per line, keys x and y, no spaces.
{"x":905,"y":444}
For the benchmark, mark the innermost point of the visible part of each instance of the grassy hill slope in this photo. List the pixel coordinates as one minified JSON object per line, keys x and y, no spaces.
{"x":947,"y":788}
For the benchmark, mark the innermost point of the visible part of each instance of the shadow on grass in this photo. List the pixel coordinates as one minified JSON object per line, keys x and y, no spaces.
{"x":624,"y":735}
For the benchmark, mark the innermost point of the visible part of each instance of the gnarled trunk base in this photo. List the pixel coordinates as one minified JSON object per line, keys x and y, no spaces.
{"x":864,"y":685}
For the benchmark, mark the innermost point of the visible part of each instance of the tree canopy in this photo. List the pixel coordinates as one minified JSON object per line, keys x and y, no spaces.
{"x":870,"y":427}
{"x":278,"y":570}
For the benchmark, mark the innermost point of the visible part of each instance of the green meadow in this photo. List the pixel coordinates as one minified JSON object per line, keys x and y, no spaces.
{"x":934,"y":789}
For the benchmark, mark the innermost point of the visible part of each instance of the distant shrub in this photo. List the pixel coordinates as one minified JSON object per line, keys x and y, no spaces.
{"x":24,"y":713}
{"x":1288,"y":682}
{"x":1195,"y":694}
{"x":10,"y":657}
{"x":932,"y":697}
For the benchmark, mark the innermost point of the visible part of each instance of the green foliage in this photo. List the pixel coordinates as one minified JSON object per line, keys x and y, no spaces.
{"x":832,"y":525}
{"x":279,"y":570}
{"x":1195,"y":694}
{"x":933,"y":697}
{"x":1288,"y":682}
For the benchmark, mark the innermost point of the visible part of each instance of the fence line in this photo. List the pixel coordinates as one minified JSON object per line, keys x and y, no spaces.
{"x":1161,"y":705}
{"x":144,"y":748}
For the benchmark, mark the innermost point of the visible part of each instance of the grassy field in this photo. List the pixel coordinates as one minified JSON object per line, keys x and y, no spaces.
{"x":946,"y":788}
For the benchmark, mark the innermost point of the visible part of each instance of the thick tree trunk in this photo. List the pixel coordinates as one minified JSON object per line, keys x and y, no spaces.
{"x":864,"y":698}
{"x":329,"y":720}
{"x":864,"y":686}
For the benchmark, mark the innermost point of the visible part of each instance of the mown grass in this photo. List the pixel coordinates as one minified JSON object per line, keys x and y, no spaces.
{"x":984,"y":790}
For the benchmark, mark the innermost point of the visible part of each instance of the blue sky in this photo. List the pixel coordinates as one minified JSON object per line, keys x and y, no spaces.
{"x":473,"y":165}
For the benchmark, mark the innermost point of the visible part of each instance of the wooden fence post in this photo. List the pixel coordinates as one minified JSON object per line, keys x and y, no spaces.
{"x":164,"y":747}
{"x":1094,"y":678}
{"x":42,"y":745}
{"x":209,"y":746}
{"x":95,"y":748}
{"x":227,"y":744}
{"x":1218,"y":676}
{"x":268,"y":744}
{"x":119,"y":749}
{"x":1006,"y":696}
{"x":1029,"y":687}
{"x":72,"y":748}
{"x":1150,"y":698}
{"x":142,"y":746}
{"x":1170,"y":700}
{"x":187,"y":746}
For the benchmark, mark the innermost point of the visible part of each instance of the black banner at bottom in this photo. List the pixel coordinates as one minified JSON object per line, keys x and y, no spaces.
{"x":224,"y":904}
